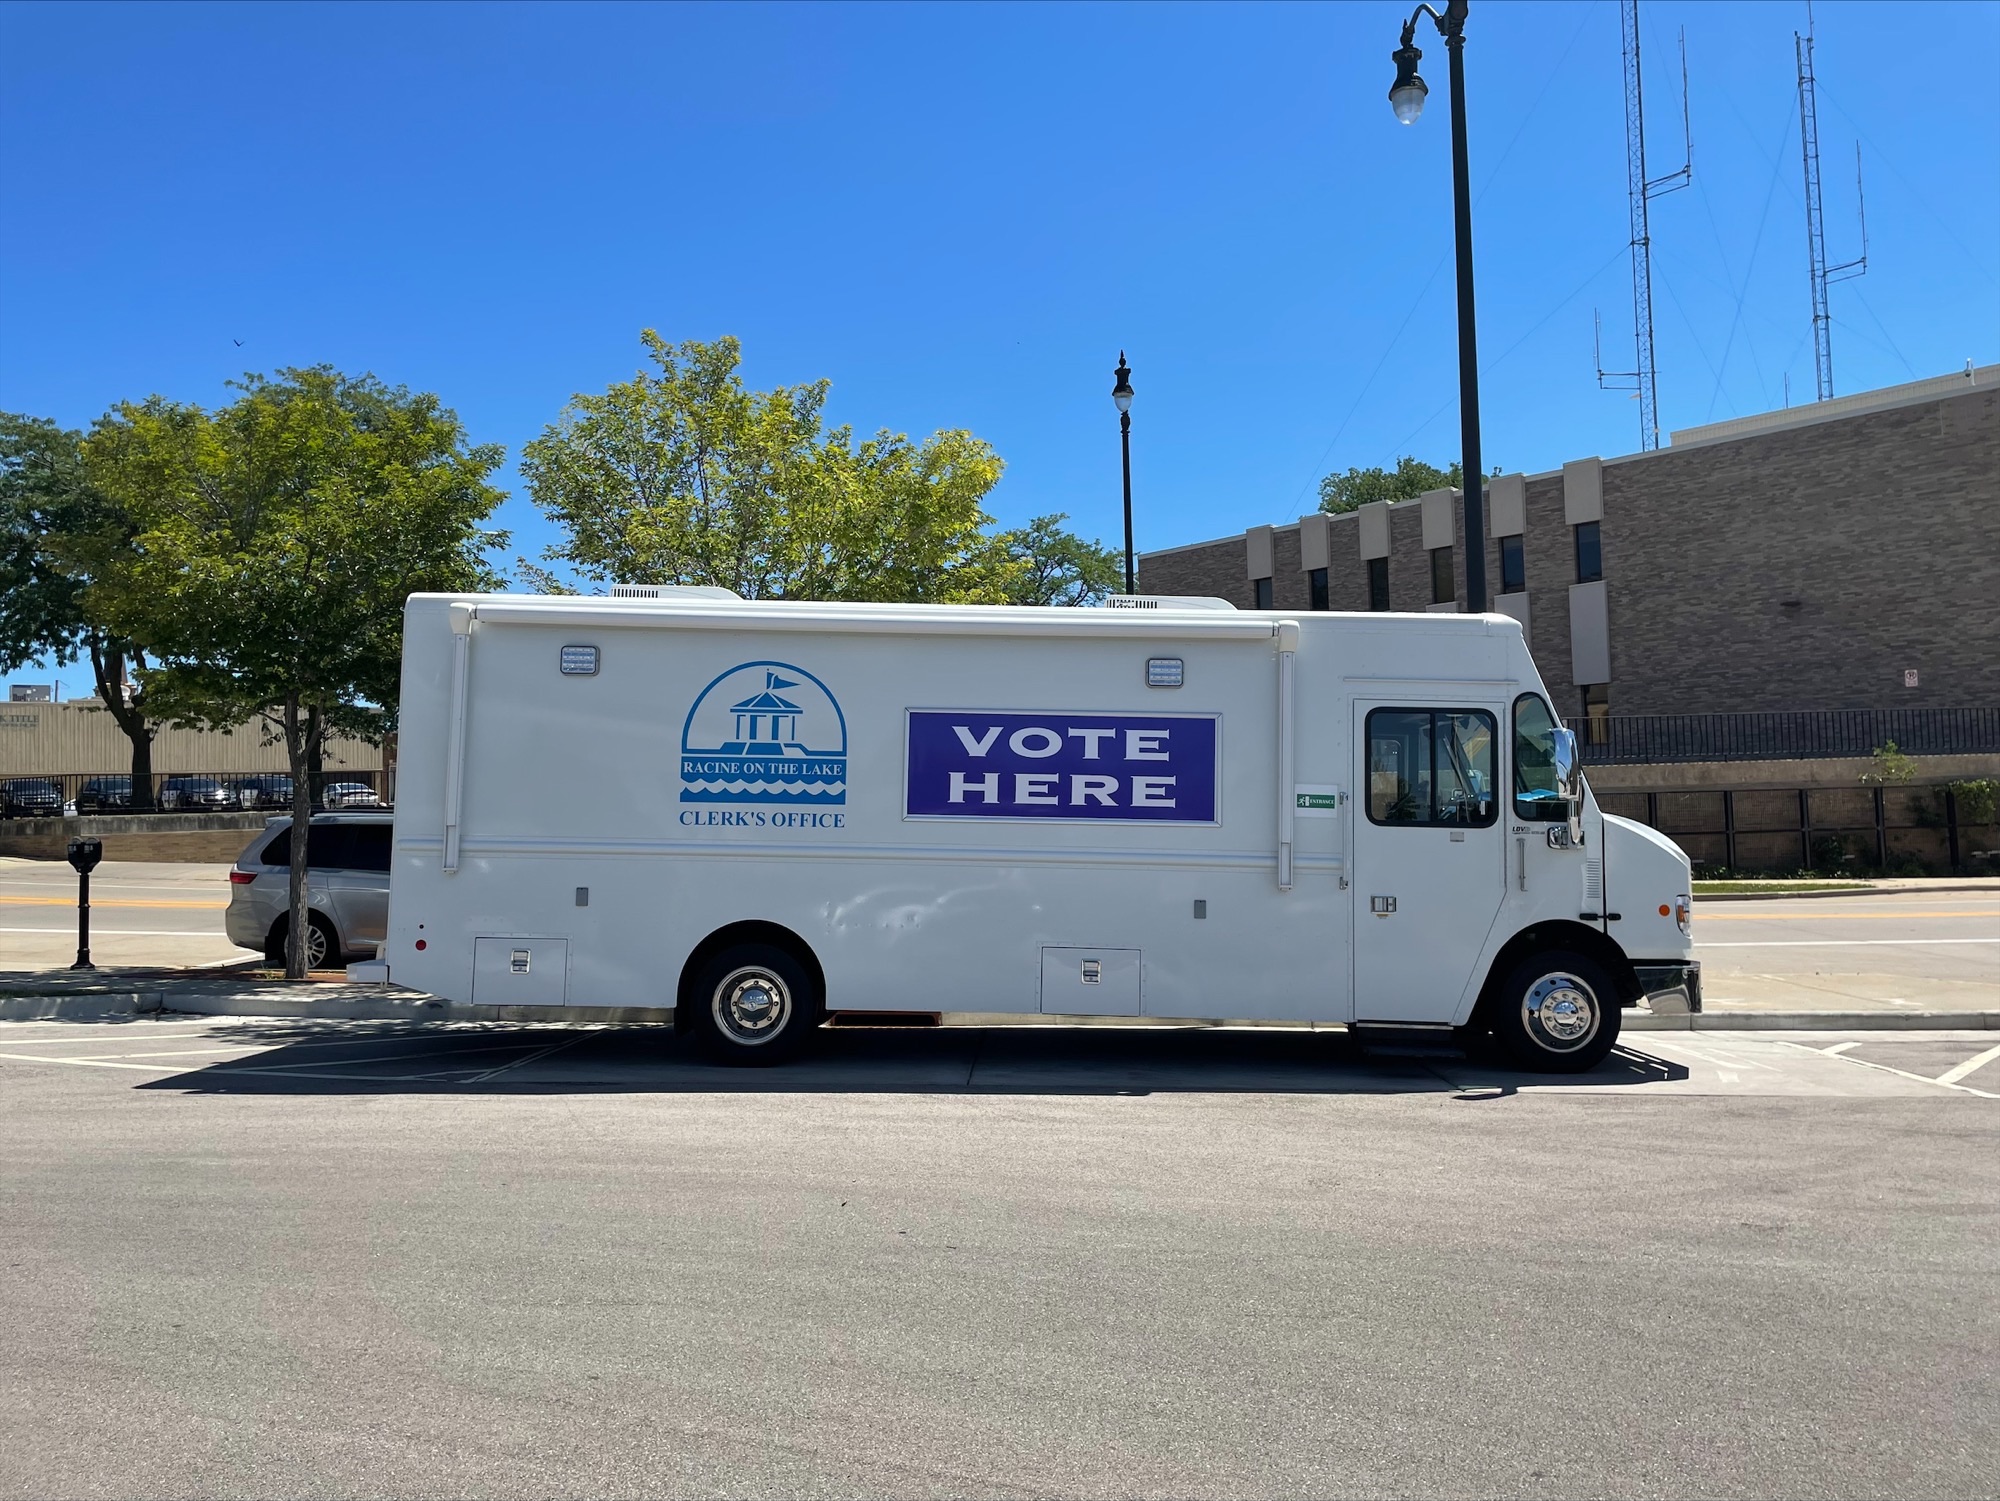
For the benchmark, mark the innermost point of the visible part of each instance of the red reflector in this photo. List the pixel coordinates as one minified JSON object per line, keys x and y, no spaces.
{"x":421,"y":944}
{"x":242,"y":877}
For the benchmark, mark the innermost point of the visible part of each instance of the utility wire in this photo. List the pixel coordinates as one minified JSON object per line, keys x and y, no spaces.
{"x":1749,"y":269}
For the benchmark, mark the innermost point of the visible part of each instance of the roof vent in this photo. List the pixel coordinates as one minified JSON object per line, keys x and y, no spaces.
{"x":671,"y":591}
{"x":1166,"y":602}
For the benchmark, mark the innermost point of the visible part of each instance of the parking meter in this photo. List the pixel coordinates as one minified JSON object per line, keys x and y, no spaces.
{"x":83,"y":857}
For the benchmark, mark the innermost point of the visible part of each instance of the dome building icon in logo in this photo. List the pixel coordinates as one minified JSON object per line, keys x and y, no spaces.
{"x":765,"y":733}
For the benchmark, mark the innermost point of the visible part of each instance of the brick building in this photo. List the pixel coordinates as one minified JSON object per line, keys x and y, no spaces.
{"x":1843,"y":555}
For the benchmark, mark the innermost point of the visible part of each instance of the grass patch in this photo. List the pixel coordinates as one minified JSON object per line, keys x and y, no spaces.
{"x":1738,"y":888}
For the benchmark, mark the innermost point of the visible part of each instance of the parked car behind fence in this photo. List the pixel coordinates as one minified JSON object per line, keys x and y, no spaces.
{"x":31,"y":797}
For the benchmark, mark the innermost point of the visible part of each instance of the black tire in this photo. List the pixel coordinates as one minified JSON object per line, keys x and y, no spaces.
{"x":754,"y":1004}
{"x":322,"y":949}
{"x":1556,"y":1013}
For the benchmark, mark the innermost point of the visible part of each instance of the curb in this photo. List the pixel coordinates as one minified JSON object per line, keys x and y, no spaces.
{"x":1815,"y":1021}
{"x":98,"y":1007}
{"x":1807,"y":896}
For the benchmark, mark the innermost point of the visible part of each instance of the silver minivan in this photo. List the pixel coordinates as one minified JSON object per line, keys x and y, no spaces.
{"x":347,"y":888}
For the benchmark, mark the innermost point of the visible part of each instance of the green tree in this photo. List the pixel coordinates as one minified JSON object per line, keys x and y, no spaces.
{"x":274,"y":543}
{"x":50,"y":516}
{"x":1056,"y":567}
{"x":682,"y":475}
{"x":1410,"y":478}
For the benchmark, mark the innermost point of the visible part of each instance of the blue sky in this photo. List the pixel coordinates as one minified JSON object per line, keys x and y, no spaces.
{"x":960,"y":215}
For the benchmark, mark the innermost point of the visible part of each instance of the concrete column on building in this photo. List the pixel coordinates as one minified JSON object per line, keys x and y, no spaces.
{"x":1374,"y":519}
{"x":1583,"y":491}
{"x":1589,"y":634}
{"x":1260,"y":551}
{"x":1315,"y":546}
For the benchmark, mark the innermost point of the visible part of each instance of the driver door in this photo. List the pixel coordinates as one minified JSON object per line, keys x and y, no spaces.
{"x":1429,"y":855}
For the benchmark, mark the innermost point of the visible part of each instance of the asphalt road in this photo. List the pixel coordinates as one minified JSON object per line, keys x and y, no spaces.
{"x":247,"y":1258}
{"x":1919,"y":951}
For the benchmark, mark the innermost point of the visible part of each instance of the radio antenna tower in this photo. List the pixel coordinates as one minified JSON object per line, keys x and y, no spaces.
{"x":1822,"y":274}
{"x":1642,"y":190}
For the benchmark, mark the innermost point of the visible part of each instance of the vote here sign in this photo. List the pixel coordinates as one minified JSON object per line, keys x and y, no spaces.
{"x":1152,"y":768}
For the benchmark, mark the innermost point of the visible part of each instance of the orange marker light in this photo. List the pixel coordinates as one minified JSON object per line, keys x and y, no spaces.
{"x":1665,"y":910}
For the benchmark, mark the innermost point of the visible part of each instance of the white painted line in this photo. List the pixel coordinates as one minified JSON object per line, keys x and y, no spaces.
{"x":151,"y":1068}
{"x":1900,"y":1072}
{"x":532,"y":1057}
{"x":1971,"y":1065}
{"x":1843,"y":943}
{"x":1841,"y":1047}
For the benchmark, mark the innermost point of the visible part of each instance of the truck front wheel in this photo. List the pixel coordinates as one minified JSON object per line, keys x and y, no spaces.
{"x":755,"y":1003}
{"x":1556,"y":1012}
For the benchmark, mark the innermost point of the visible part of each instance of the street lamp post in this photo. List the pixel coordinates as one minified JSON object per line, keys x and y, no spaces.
{"x":1406,"y":97}
{"x":1122,"y":394}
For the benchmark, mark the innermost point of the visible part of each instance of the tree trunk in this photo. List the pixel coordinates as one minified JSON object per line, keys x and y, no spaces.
{"x":316,"y":754}
{"x":107,"y":665}
{"x":299,"y":924}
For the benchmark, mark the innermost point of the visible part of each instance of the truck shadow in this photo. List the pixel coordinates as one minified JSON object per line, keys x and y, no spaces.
{"x":392,"y":1058}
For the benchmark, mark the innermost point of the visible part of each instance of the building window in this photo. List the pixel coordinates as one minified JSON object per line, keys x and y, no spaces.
{"x":1378,"y":583}
{"x":1597,"y":714}
{"x":1262,"y":587}
{"x":1589,"y":554}
{"x":1316,"y":580}
{"x":1444,"y":589}
{"x":1513,"y":566}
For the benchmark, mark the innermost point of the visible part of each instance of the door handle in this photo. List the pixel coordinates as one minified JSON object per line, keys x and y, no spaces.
{"x":1381,"y":906}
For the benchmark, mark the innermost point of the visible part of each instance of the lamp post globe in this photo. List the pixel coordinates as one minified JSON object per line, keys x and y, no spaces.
{"x":1121,"y":396}
{"x":1408,"y":92}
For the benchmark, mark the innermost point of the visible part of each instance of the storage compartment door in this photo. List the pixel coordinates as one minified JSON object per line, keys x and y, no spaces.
{"x":520,"y":971}
{"x":1090,"y":982}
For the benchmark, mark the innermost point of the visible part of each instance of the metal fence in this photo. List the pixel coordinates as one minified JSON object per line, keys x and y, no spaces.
{"x":111,"y":793}
{"x":1804,"y":735}
{"x":1827,"y":830}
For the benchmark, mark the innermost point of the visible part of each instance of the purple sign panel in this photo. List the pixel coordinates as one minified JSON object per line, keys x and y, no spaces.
{"x":1151,"y":768}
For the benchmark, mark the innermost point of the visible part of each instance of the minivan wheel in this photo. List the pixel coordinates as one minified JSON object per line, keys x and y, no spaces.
{"x":754,"y":1003}
{"x":321,"y":944}
{"x":1557,"y":1012}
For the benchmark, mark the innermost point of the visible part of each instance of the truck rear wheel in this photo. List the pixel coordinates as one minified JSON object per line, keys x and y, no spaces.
{"x":754,"y":1003}
{"x":1557,"y":1012}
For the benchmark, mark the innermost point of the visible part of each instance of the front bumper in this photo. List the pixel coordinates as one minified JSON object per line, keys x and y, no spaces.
{"x":1672,"y":988}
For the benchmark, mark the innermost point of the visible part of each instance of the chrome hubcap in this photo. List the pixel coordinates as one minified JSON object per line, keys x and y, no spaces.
{"x":1560,"y":1012}
{"x":752,"y":1006}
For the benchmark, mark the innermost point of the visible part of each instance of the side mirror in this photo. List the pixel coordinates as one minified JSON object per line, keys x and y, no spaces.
{"x":1568,"y":766}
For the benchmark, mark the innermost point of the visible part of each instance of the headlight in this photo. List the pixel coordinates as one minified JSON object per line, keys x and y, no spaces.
{"x":1684,"y":914}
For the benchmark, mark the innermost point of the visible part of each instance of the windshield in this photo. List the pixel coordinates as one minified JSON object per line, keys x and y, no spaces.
{"x":1536,"y":795}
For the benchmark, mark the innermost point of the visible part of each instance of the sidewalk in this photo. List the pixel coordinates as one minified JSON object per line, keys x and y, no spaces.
{"x":1888,"y":886}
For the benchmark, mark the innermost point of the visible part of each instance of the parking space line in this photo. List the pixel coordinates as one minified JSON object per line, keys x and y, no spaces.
{"x":1971,"y":1065}
{"x":1901,"y":1072}
{"x":151,"y":1068}
{"x":1841,"y":1047}
{"x":552,"y":1048}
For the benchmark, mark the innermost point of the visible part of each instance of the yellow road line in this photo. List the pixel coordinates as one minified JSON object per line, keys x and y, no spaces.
{"x":66,"y":901}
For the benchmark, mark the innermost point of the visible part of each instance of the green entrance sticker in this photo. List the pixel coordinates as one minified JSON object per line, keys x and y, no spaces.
{"x":1326,"y":800}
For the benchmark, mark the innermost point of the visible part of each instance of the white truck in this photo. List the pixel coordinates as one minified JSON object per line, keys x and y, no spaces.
{"x":759,"y":814}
